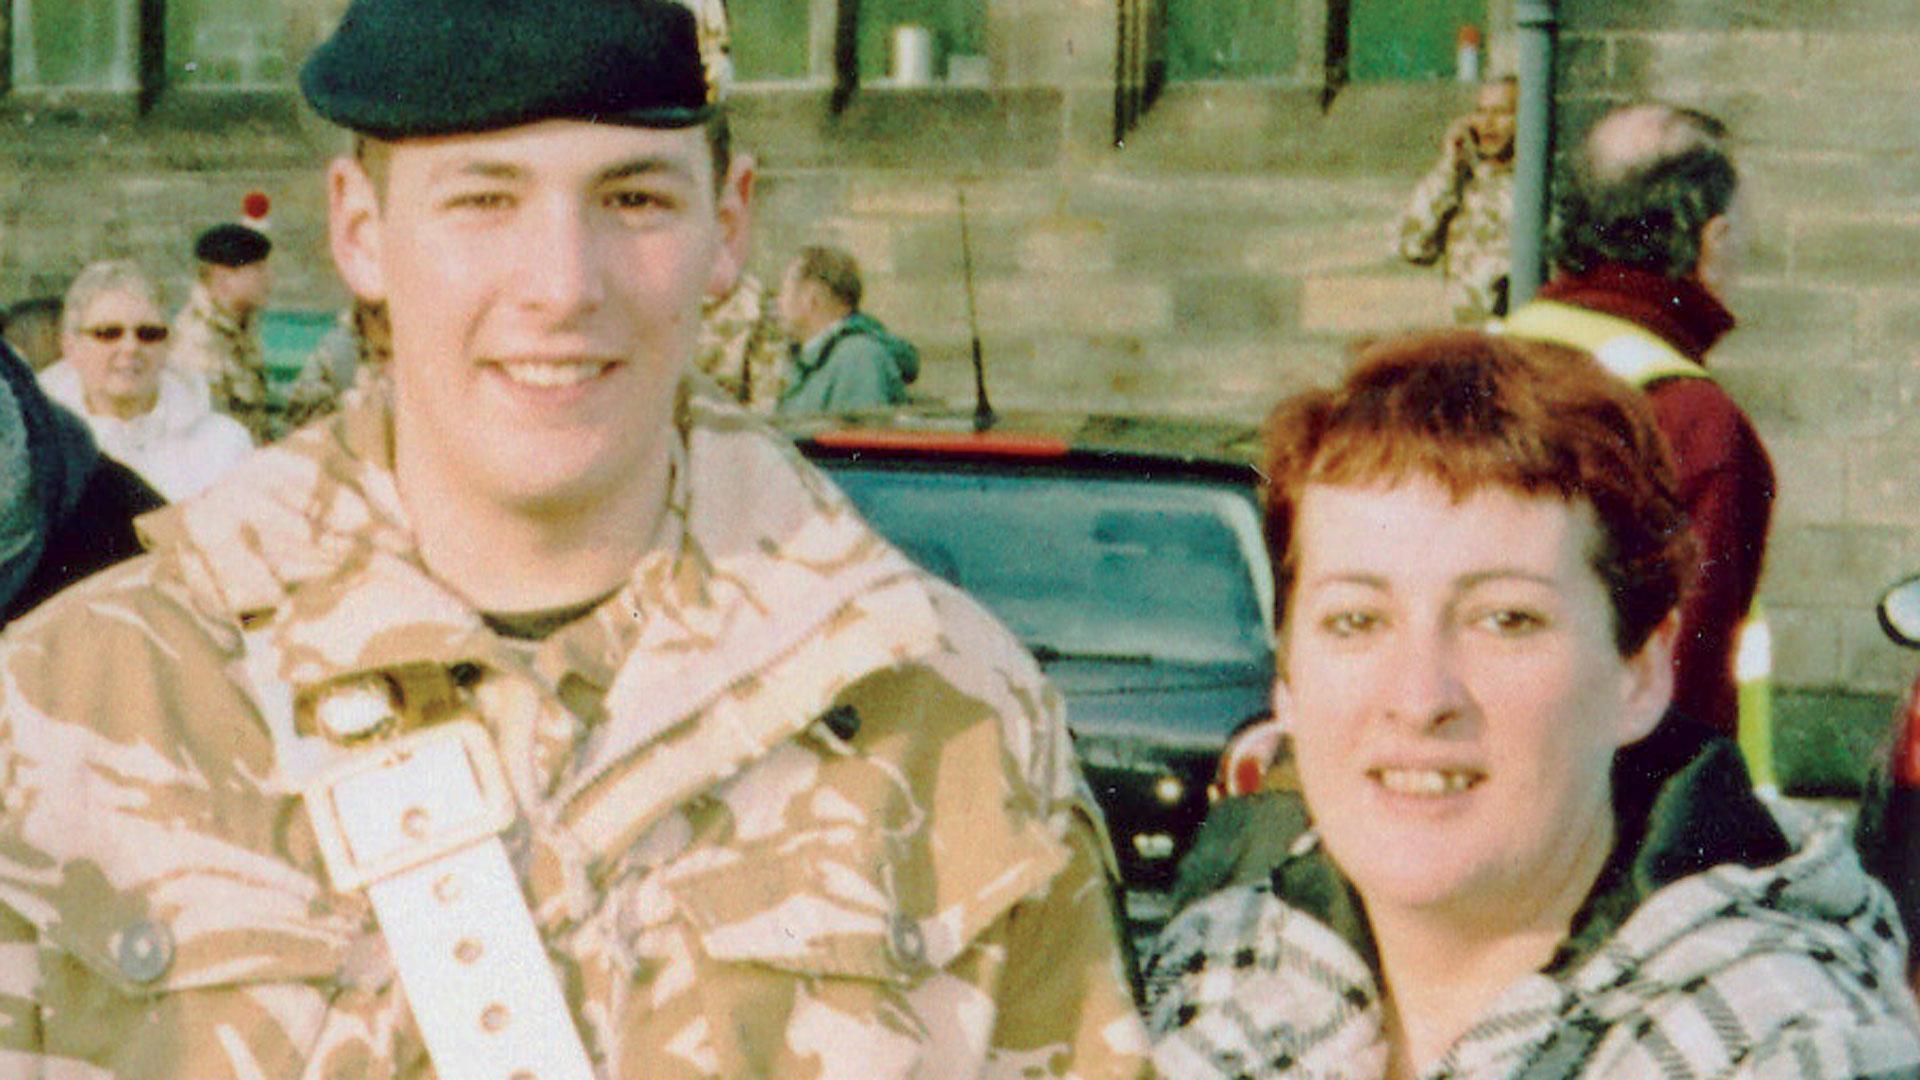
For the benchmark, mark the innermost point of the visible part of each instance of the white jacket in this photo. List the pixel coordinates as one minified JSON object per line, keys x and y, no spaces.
{"x":180,"y":446}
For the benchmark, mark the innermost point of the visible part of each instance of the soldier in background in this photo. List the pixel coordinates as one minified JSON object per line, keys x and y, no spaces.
{"x":350,"y":355}
{"x":215,"y":336}
{"x":1460,"y":211}
{"x":543,"y":715}
{"x":742,"y":345}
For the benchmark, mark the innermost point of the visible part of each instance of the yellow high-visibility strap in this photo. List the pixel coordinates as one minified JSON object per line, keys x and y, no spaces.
{"x":1642,"y":358}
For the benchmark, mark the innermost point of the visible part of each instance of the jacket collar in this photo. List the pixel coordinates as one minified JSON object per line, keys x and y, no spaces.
{"x":1701,"y":813}
{"x":1680,"y":310}
{"x":309,"y":540}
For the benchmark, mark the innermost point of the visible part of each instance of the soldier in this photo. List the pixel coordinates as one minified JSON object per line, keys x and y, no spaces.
{"x":540,"y":715}
{"x":1460,"y":210}
{"x":215,"y":337}
{"x":742,"y":346}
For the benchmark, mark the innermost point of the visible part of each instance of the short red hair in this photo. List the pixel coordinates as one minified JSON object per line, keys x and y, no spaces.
{"x":1472,"y":410}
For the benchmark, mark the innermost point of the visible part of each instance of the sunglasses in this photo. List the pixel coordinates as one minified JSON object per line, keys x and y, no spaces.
{"x":145,"y":333}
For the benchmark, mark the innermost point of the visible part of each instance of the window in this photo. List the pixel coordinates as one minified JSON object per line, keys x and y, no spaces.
{"x":1393,"y":40}
{"x":793,"y":39}
{"x":231,"y":44}
{"x":76,"y":45}
{"x":1254,"y":39}
{"x":1232,"y":39}
{"x":136,"y":46}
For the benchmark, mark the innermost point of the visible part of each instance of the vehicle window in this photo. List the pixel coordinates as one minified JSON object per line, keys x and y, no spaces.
{"x":1087,"y":566}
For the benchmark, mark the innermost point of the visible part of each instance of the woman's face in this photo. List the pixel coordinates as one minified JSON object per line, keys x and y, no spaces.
{"x":119,"y":345}
{"x":1456,"y":696}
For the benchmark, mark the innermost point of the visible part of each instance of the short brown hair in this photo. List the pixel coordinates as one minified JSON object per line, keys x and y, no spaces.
{"x":832,"y":268}
{"x":1471,"y":410}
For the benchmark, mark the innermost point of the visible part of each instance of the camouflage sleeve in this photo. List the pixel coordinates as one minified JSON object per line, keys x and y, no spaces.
{"x":328,"y":372}
{"x":1066,"y":1003}
{"x":19,"y":986}
{"x":242,"y":394}
{"x":1436,"y":199}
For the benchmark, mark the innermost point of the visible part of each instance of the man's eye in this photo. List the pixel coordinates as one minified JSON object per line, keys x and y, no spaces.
{"x":635,"y":200}
{"x":479,"y":200}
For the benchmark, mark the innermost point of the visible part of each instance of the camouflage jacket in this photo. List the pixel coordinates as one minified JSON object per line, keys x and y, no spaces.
{"x":1460,"y":212}
{"x":788,"y":806}
{"x":742,"y":347}
{"x":215,"y":347}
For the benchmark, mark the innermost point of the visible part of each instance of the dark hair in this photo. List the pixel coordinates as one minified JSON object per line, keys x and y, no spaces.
{"x":1644,"y":204}
{"x":834,"y":269}
{"x":1471,"y":410}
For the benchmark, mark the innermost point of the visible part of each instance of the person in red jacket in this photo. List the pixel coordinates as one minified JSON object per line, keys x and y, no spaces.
{"x":1644,"y":251}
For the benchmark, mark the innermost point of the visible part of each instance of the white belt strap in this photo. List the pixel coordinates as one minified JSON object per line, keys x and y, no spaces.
{"x":416,"y":821}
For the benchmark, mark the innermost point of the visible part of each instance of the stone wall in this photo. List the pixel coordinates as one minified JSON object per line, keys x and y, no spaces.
{"x":1823,"y":103}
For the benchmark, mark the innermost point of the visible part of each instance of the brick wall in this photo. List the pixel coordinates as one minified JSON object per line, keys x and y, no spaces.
{"x":1822,"y":100}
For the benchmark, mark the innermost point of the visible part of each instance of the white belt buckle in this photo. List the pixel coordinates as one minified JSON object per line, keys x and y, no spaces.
{"x":408,"y":801}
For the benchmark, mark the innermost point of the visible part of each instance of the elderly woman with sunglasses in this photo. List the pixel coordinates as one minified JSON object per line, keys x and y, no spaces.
{"x":1479,"y":554}
{"x":113,"y":372}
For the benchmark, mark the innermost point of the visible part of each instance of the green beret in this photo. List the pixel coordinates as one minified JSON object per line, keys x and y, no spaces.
{"x":232,"y":245}
{"x":403,"y":68}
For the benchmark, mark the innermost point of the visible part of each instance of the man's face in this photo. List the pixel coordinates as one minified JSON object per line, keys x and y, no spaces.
{"x":1493,"y":120}
{"x":118,"y":345}
{"x":543,"y":285}
{"x":795,"y":304}
{"x":242,"y":290}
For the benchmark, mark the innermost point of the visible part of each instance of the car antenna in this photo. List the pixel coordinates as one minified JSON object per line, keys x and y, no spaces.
{"x":982,"y":411}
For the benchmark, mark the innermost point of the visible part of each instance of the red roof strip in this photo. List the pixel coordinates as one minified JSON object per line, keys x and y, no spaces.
{"x":990,"y":443}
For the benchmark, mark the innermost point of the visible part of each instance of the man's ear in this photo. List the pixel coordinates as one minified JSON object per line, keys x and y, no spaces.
{"x":1647,"y":683}
{"x":734,"y":208}
{"x":354,"y":229}
{"x":1717,"y":255}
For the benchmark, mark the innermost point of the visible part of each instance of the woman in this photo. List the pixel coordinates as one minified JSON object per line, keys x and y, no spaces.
{"x":1479,"y":555}
{"x":113,"y":373}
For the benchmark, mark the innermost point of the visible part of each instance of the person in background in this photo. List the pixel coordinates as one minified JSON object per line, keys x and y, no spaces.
{"x":216,"y":335}
{"x":66,"y":511}
{"x":1645,"y":251}
{"x":350,"y":355}
{"x":540,"y":715}
{"x":742,"y":346}
{"x":844,"y":359}
{"x":1460,"y":212}
{"x":114,"y":374}
{"x":1479,"y":554}
{"x":33,"y":329}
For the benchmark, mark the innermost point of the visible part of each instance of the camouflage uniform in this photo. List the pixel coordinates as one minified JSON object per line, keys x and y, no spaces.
{"x":213,"y":346}
{"x":788,"y":806}
{"x":742,"y":347}
{"x":348,"y":356}
{"x":1460,"y":211}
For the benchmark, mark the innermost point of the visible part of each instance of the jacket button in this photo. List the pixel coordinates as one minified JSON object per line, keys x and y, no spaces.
{"x":357,"y":709}
{"x":144,"y":951}
{"x":843,"y":721}
{"x":909,"y":944}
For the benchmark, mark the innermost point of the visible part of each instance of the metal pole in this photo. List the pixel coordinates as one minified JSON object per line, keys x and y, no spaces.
{"x":1533,"y":155}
